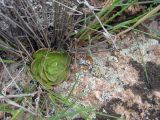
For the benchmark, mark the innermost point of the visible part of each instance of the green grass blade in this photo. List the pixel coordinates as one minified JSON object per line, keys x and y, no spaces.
{"x":7,"y":61}
{"x":5,"y":108}
{"x":83,"y":35}
{"x":17,"y":114}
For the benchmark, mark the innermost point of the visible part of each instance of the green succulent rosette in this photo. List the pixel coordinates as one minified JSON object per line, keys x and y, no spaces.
{"x":50,"y":67}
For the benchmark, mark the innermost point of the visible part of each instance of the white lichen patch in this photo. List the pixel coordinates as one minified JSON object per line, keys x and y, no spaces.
{"x":90,"y":86}
{"x":112,"y":76}
{"x":139,"y":50}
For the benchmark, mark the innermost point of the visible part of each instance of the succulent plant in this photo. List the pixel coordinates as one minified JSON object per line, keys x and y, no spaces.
{"x":50,"y":67}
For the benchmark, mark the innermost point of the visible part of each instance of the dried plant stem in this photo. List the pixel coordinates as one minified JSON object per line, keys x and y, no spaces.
{"x":19,"y":106}
{"x":16,"y":96}
{"x":80,"y":13}
{"x":105,"y":32}
{"x":13,"y":79}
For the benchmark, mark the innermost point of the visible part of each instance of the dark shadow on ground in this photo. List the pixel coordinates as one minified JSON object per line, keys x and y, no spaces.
{"x":142,"y":88}
{"x":109,"y":108}
{"x":150,"y":74}
{"x":153,"y":113}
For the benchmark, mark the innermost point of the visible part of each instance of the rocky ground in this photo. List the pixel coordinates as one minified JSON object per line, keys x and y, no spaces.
{"x":124,"y":83}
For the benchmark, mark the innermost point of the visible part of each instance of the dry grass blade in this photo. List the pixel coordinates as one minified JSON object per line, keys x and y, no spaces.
{"x":28,"y":27}
{"x":150,"y":14}
{"x":19,"y":106}
{"x":13,"y":79}
{"x":19,"y":95}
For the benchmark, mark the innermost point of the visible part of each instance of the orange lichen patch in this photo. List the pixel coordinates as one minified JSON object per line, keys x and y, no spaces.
{"x":86,"y":63}
{"x":89,"y":60}
{"x":85,"y":68}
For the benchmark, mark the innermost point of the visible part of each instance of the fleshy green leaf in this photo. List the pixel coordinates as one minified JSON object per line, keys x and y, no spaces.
{"x":50,"y":67}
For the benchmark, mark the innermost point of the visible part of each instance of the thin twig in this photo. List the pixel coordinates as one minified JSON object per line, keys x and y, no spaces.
{"x":37,"y":100}
{"x":16,"y":96}
{"x":19,"y":106}
{"x":13,"y":79}
{"x":85,"y":2}
{"x":108,"y":35}
{"x":68,"y":7}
